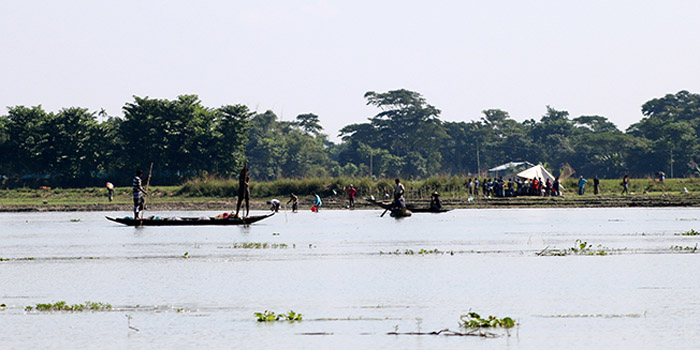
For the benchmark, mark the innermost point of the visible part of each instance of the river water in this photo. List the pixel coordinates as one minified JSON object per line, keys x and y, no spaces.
{"x":352,"y":277}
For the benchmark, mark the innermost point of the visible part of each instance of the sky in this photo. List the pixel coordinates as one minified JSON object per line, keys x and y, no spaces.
{"x":293,"y":57}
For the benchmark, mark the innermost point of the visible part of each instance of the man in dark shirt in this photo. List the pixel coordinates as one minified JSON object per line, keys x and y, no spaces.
{"x":139,"y":194}
{"x":243,"y":190}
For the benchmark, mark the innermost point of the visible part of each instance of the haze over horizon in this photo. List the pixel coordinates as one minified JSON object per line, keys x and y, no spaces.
{"x":593,"y":58}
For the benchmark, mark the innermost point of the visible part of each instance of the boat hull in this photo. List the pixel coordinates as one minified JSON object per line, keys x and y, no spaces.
{"x":190,"y":221}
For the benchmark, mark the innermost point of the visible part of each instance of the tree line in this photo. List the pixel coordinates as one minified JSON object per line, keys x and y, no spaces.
{"x":406,"y":138}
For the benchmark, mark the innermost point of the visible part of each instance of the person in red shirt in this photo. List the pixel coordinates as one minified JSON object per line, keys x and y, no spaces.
{"x":536,"y":186}
{"x":352,"y":192}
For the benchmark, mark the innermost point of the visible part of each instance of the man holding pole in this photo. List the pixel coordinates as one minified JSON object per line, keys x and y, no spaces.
{"x":243,"y":191}
{"x":139,"y":194}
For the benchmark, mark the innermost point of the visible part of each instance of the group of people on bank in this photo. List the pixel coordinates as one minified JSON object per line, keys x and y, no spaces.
{"x":498,"y":187}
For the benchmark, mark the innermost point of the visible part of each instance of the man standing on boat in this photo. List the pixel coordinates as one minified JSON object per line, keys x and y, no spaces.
{"x":139,"y":194}
{"x":399,"y":191}
{"x":243,"y":190}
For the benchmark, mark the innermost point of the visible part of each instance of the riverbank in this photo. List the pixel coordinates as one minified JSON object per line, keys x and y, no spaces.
{"x":175,"y":203}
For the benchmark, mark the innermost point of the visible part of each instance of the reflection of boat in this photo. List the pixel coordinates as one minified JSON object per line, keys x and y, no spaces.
{"x":393,"y":211}
{"x":190,"y":221}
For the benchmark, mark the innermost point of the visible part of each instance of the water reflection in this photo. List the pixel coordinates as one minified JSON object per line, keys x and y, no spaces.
{"x":351,"y":276}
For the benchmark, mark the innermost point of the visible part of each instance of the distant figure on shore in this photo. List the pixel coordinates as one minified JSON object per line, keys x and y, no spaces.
{"x":556,"y":187}
{"x":243,"y":191}
{"x":435,"y":202}
{"x":625,"y":185}
{"x":110,"y":191}
{"x":581,"y":184}
{"x":317,"y":202}
{"x":274,"y":205}
{"x":139,"y":194}
{"x":596,"y":185}
{"x":352,"y":192}
{"x":295,"y":202}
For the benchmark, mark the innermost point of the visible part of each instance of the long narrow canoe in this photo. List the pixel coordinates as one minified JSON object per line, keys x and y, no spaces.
{"x":190,"y":221}
{"x":426,"y":210}
{"x":411,"y":208}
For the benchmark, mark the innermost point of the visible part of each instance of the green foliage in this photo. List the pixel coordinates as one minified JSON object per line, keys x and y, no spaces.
{"x":406,"y":139}
{"x":269,"y":316}
{"x":259,"y":245}
{"x":686,"y":248}
{"x":63,"y":306}
{"x":688,"y":233}
{"x":582,"y":248}
{"x":412,"y":252}
{"x":473,"y":320}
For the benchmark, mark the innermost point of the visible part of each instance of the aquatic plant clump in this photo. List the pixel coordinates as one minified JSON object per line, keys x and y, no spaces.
{"x":412,"y":252}
{"x":63,"y":306}
{"x":269,"y":316}
{"x":686,"y":248}
{"x":474,"y":320}
{"x":689,"y":233}
{"x":258,"y":245}
{"x":580,"y":248}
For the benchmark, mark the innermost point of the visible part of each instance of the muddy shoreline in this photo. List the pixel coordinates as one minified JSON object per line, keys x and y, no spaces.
{"x":688,"y":200}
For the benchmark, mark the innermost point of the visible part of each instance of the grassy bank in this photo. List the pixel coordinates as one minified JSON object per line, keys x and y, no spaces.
{"x":220,"y":194}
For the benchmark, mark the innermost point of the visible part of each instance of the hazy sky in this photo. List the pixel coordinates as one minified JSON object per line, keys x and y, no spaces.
{"x":587,"y":57}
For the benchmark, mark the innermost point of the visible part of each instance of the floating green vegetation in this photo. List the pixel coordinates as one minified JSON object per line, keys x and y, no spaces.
{"x":580,"y":248}
{"x":186,"y":255}
{"x":688,"y":233}
{"x":63,"y":306}
{"x":412,"y":252}
{"x":473,"y":320}
{"x":258,"y":245}
{"x":269,"y":316}
{"x":472,"y":324}
{"x":686,"y":248}
{"x":74,"y":220}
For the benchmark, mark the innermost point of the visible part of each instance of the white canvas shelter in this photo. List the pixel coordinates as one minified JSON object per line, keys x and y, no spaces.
{"x":536,"y":171}
{"x":508,"y":168}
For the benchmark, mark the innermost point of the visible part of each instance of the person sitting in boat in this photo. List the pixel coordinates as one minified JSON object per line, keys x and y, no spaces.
{"x":274,"y":205}
{"x":295,"y":202}
{"x":139,"y":194}
{"x":435,"y":202}
{"x":399,"y":191}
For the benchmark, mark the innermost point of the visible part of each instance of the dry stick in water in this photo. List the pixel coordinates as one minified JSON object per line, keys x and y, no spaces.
{"x":449,"y":332}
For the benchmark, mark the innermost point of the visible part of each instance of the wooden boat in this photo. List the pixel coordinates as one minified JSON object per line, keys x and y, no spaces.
{"x":426,"y":210}
{"x":393,"y":211}
{"x":190,"y":221}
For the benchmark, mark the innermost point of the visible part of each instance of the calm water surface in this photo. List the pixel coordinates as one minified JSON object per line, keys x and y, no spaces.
{"x":335,"y":271}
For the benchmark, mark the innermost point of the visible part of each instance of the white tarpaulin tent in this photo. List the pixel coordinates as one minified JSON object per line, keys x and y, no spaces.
{"x":536,"y":171}
{"x":508,"y":168}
